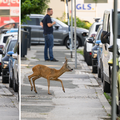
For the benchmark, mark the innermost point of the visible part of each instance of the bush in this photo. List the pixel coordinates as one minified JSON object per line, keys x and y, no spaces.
{"x":79,"y":23}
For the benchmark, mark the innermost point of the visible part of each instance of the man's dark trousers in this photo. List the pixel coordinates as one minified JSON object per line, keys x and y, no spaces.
{"x":48,"y":45}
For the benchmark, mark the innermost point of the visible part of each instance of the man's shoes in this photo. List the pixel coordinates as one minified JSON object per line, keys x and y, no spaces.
{"x":54,"y":60}
{"x":47,"y":60}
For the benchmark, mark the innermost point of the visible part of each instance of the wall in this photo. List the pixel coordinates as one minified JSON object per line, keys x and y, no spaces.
{"x":83,"y":11}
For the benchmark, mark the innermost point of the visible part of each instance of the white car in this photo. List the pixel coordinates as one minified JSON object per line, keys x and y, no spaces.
{"x":3,"y":39}
{"x":107,"y":40}
{"x":88,"y":46}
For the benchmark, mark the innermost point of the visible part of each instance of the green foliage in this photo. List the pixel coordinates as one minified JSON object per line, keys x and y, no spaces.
{"x":80,"y":51}
{"x":32,"y":7}
{"x":79,"y":23}
{"x":107,"y":97}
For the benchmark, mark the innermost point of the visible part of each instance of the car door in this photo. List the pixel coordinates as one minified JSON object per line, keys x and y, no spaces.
{"x":105,"y":49}
{"x":58,"y":33}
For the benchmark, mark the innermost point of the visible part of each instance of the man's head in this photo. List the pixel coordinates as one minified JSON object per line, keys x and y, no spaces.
{"x":49,"y":11}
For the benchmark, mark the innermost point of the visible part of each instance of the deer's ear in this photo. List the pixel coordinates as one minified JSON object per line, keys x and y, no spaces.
{"x":65,"y":60}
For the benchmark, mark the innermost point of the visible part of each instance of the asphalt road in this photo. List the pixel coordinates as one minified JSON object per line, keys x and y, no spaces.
{"x":83,"y":99}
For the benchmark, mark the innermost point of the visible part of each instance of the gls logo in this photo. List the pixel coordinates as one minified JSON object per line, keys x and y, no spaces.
{"x":84,"y":7}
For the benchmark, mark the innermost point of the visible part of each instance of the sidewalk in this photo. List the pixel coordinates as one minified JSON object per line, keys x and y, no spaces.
{"x":9,"y":107}
{"x":83,"y":98}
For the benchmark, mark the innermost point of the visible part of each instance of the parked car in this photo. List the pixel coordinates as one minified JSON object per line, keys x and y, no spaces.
{"x":107,"y":41}
{"x":88,"y":46}
{"x":5,"y":59}
{"x":14,"y":68}
{"x":8,"y":26}
{"x":3,"y":39}
{"x":61,"y":33}
{"x":99,"y":53}
{"x":110,"y":62}
{"x":95,"y":48}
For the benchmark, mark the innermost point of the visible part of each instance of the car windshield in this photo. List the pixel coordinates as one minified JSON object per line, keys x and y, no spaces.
{"x":119,"y":25}
{"x":59,"y":22}
{"x":11,"y":45}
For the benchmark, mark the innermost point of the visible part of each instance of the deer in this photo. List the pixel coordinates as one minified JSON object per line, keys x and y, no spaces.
{"x":48,"y":73}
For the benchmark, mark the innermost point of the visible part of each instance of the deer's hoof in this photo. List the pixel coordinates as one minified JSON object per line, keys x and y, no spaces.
{"x":49,"y":94}
{"x":31,"y":89}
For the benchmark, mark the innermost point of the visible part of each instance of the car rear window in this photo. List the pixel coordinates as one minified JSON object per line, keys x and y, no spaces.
{"x":97,"y":26}
{"x":11,"y":45}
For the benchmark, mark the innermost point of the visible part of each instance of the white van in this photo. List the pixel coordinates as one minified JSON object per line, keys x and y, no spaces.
{"x":107,"y":40}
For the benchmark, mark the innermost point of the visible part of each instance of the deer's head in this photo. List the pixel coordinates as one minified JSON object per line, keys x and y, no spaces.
{"x":66,"y":66}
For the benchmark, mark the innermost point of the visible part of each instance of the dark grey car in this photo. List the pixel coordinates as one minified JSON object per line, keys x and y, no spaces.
{"x":61,"y":35}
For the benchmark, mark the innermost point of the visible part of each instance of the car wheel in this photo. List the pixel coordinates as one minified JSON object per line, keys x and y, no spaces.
{"x":101,"y":67}
{"x":4,"y":79}
{"x":88,"y":59}
{"x":15,"y":86}
{"x":106,"y":86}
{"x":85,"y":53}
{"x":117,"y":106}
{"x":99,"y":72}
{"x":67,"y":43}
{"x":10,"y":82}
{"x":0,"y":72}
{"x":94,"y":68}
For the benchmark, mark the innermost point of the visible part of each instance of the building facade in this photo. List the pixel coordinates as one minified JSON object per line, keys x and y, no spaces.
{"x":85,"y":9}
{"x":9,"y":11}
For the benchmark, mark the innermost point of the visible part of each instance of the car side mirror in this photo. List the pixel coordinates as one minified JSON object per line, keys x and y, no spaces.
{"x":110,"y":48}
{"x":104,"y":37}
{"x":56,"y":27}
{"x":90,"y":40}
{"x":1,"y":52}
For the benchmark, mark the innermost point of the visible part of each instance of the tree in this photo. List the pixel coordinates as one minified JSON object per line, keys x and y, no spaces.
{"x":32,"y":7}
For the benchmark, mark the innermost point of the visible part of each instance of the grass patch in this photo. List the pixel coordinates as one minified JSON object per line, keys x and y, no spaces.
{"x":107,"y":97}
{"x":27,"y":66}
{"x":33,"y":57}
{"x":80,"y":51}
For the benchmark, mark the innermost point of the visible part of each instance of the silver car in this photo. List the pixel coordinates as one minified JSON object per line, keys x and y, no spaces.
{"x":61,"y":35}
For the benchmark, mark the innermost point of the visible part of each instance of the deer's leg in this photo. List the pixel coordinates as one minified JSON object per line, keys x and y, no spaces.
{"x":48,"y":86}
{"x":61,"y":84}
{"x":33,"y":79}
{"x":29,"y":77}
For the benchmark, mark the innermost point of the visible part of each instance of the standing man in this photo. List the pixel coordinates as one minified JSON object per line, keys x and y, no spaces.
{"x":47,"y":25}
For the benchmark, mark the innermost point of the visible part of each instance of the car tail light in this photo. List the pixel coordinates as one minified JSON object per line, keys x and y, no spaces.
{"x":0,"y":63}
{"x":1,"y":47}
{"x":90,"y":53}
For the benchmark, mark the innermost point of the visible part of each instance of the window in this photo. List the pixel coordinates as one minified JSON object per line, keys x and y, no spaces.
{"x":97,"y":26}
{"x":4,"y":12}
{"x":5,"y":39}
{"x":97,"y":1}
{"x":32,"y":21}
{"x":9,"y":26}
{"x":11,"y":45}
{"x":119,"y":25}
{"x":108,"y":26}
